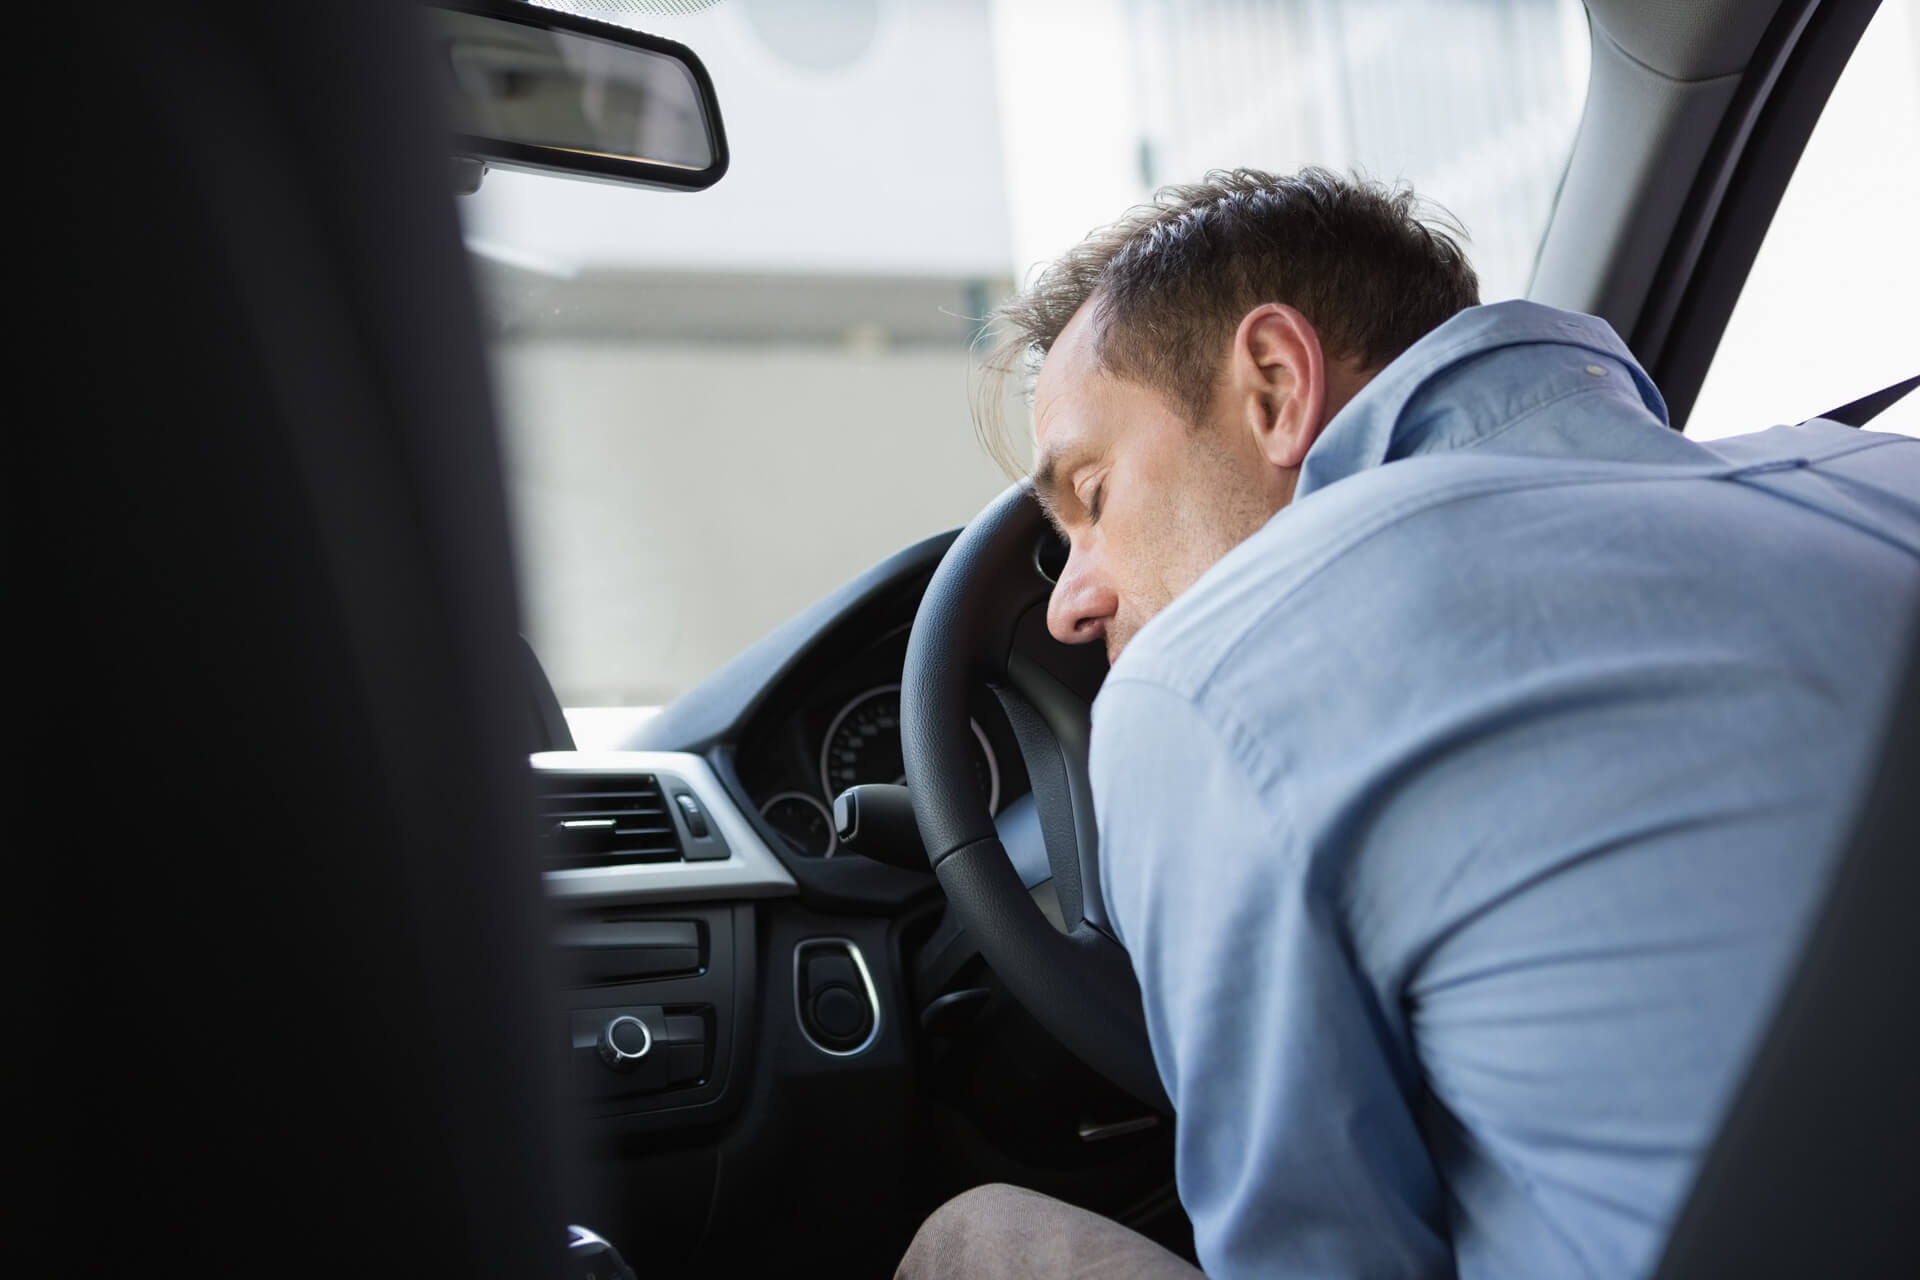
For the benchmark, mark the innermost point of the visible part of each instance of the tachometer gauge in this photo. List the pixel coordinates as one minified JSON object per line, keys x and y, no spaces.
{"x":803,"y":822}
{"x":863,"y":745}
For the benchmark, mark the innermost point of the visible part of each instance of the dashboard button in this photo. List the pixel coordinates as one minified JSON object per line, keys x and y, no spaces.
{"x":696,"y":816}
{"x":686,"y":1063}
{"x":839,"y":1016}
{"x":834,"y":997}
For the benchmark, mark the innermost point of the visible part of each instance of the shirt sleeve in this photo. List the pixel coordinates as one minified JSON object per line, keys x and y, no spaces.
{"x":1297,"y":1148}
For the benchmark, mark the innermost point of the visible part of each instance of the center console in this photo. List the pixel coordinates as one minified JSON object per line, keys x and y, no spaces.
{"x":655,"y":1009}
{"x":655,"y":874}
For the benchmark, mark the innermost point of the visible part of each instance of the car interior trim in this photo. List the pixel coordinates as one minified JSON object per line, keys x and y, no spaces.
{"x":853,"y":952}
{"x":1092,"y":1132}
{"x":1641,"y":142}
{"x":1076,"y":871}
{"x":749,"y":871}
{"x":1737,"y":193}
{"x":1650,"y":331}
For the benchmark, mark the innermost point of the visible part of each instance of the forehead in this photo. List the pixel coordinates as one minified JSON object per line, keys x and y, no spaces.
{"x":1073,"y":358}
{"x":1081,"y":408}
{"x":1072,"y":395}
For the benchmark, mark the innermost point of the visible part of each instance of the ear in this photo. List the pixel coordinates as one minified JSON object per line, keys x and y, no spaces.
{"x":1277,"y":374}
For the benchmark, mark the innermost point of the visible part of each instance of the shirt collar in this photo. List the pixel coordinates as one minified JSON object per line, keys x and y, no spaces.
{"x":1384,"y":421}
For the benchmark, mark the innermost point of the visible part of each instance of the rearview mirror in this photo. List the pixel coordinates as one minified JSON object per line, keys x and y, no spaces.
{"x":531,"y":88}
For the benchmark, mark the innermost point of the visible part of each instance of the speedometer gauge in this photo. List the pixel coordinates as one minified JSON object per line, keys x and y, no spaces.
{"x":863,"y":745}
{"x":803,"y":822}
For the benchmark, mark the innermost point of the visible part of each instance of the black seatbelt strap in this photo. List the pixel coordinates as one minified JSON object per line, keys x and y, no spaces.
{"x":1862,"y":411}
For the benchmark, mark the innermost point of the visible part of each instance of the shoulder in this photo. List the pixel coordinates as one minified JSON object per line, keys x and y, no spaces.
{"x":1322,"y":628}
{"x":1376,"y":543}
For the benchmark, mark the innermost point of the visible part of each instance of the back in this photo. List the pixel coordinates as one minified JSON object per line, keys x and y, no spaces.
{"x":1507,"y":785}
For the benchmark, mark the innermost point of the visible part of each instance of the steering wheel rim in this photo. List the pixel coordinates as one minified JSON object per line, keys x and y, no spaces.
{"x":983,"y":621}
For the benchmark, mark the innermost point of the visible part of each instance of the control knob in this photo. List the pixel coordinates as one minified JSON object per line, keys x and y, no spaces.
{"x":625,"y":1042}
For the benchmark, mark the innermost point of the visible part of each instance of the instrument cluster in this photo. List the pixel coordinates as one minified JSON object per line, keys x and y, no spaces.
{"x":846,"y":732}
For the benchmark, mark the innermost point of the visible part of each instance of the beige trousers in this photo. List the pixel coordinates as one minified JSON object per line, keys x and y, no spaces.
{"x":998,"y":1232}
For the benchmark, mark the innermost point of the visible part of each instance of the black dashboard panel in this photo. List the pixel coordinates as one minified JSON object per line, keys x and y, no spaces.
{"x":760,"y":719}
{"x":699,"y":1037}
{"x":832,"y":1067}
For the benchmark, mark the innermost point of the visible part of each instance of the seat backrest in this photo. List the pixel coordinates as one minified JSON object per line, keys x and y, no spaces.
{"x":1816,"y":1170}
{"x":292,"y":1009}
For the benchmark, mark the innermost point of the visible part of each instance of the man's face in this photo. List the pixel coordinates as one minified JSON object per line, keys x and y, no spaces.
{"x":1147,"y":500}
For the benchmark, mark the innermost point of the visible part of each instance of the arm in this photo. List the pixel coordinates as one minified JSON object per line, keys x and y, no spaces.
{"x":1297,"y":1149}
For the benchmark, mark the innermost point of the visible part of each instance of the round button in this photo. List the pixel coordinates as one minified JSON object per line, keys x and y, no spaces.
{"x":838,"y":1013}
{"x":624,"y":1041}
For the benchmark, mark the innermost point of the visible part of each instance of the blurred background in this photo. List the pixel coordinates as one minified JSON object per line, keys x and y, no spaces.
{"x":721,"y":405}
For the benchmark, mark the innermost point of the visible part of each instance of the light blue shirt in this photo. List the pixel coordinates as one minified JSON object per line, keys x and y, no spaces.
{"x":1463,"y":822}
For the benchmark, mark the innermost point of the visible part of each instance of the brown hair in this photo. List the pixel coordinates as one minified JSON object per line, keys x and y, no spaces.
{"x":1373,"y":267}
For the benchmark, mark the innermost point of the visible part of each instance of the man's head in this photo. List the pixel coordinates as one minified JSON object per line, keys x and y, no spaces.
{"x":1188,"y":357}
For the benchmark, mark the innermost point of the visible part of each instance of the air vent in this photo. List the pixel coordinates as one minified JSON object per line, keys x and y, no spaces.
{"x":604,"y":820}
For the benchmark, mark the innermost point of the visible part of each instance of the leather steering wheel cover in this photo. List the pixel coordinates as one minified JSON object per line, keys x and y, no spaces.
{"x":1080,"y":983}
{"x":961,"y":634}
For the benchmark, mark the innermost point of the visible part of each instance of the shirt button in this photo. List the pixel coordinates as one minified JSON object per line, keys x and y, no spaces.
{"x":1598,"y":371}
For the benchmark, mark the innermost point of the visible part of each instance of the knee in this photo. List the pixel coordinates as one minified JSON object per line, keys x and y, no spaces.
{"x":959,"y":1231}
{"x":974,"y":1211}
{"x":992,"y":1199}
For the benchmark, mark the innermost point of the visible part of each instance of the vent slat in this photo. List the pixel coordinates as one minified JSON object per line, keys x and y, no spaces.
{"x":621,"y":858}
{"x":642,"y":830}
{"x":602,"y":810}
{"x":653,"y":795}
{"x":658,"y":817}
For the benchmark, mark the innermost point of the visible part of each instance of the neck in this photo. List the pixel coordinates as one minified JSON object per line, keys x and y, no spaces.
{"x":1344,"y":381}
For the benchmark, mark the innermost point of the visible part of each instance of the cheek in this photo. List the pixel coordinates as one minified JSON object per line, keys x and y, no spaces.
{"x":1158,"y":519}
{"x":1142,"y":546}
{"x":1171,"y":540}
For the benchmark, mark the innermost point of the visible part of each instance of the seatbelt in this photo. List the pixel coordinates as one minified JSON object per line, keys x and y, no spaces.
{"x":1859,"y":413}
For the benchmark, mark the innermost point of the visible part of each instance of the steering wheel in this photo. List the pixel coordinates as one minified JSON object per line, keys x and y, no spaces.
{"x":983,"y":621}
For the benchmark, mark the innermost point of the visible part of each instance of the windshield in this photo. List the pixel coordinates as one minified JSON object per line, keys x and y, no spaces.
{"x":720,"y":406}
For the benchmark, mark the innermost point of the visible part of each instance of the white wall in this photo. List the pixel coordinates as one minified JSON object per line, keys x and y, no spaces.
{"x":674,"y":503}
{"x":1071,"y":123}
{"x":1474,"y":102}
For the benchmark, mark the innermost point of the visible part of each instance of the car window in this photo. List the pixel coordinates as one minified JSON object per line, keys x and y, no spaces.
{"x":1827,"y":314}
{"x":720,"y":406}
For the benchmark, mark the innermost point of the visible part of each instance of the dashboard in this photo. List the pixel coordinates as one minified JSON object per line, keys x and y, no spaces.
{"x":840,"y":727}
{"x":773,"y":1038}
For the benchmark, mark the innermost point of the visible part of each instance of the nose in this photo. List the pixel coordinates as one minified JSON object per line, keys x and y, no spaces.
{"x":1082,"y":603}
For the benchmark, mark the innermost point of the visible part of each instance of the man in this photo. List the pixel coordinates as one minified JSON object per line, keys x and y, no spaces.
{"x":1476,"y":747}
